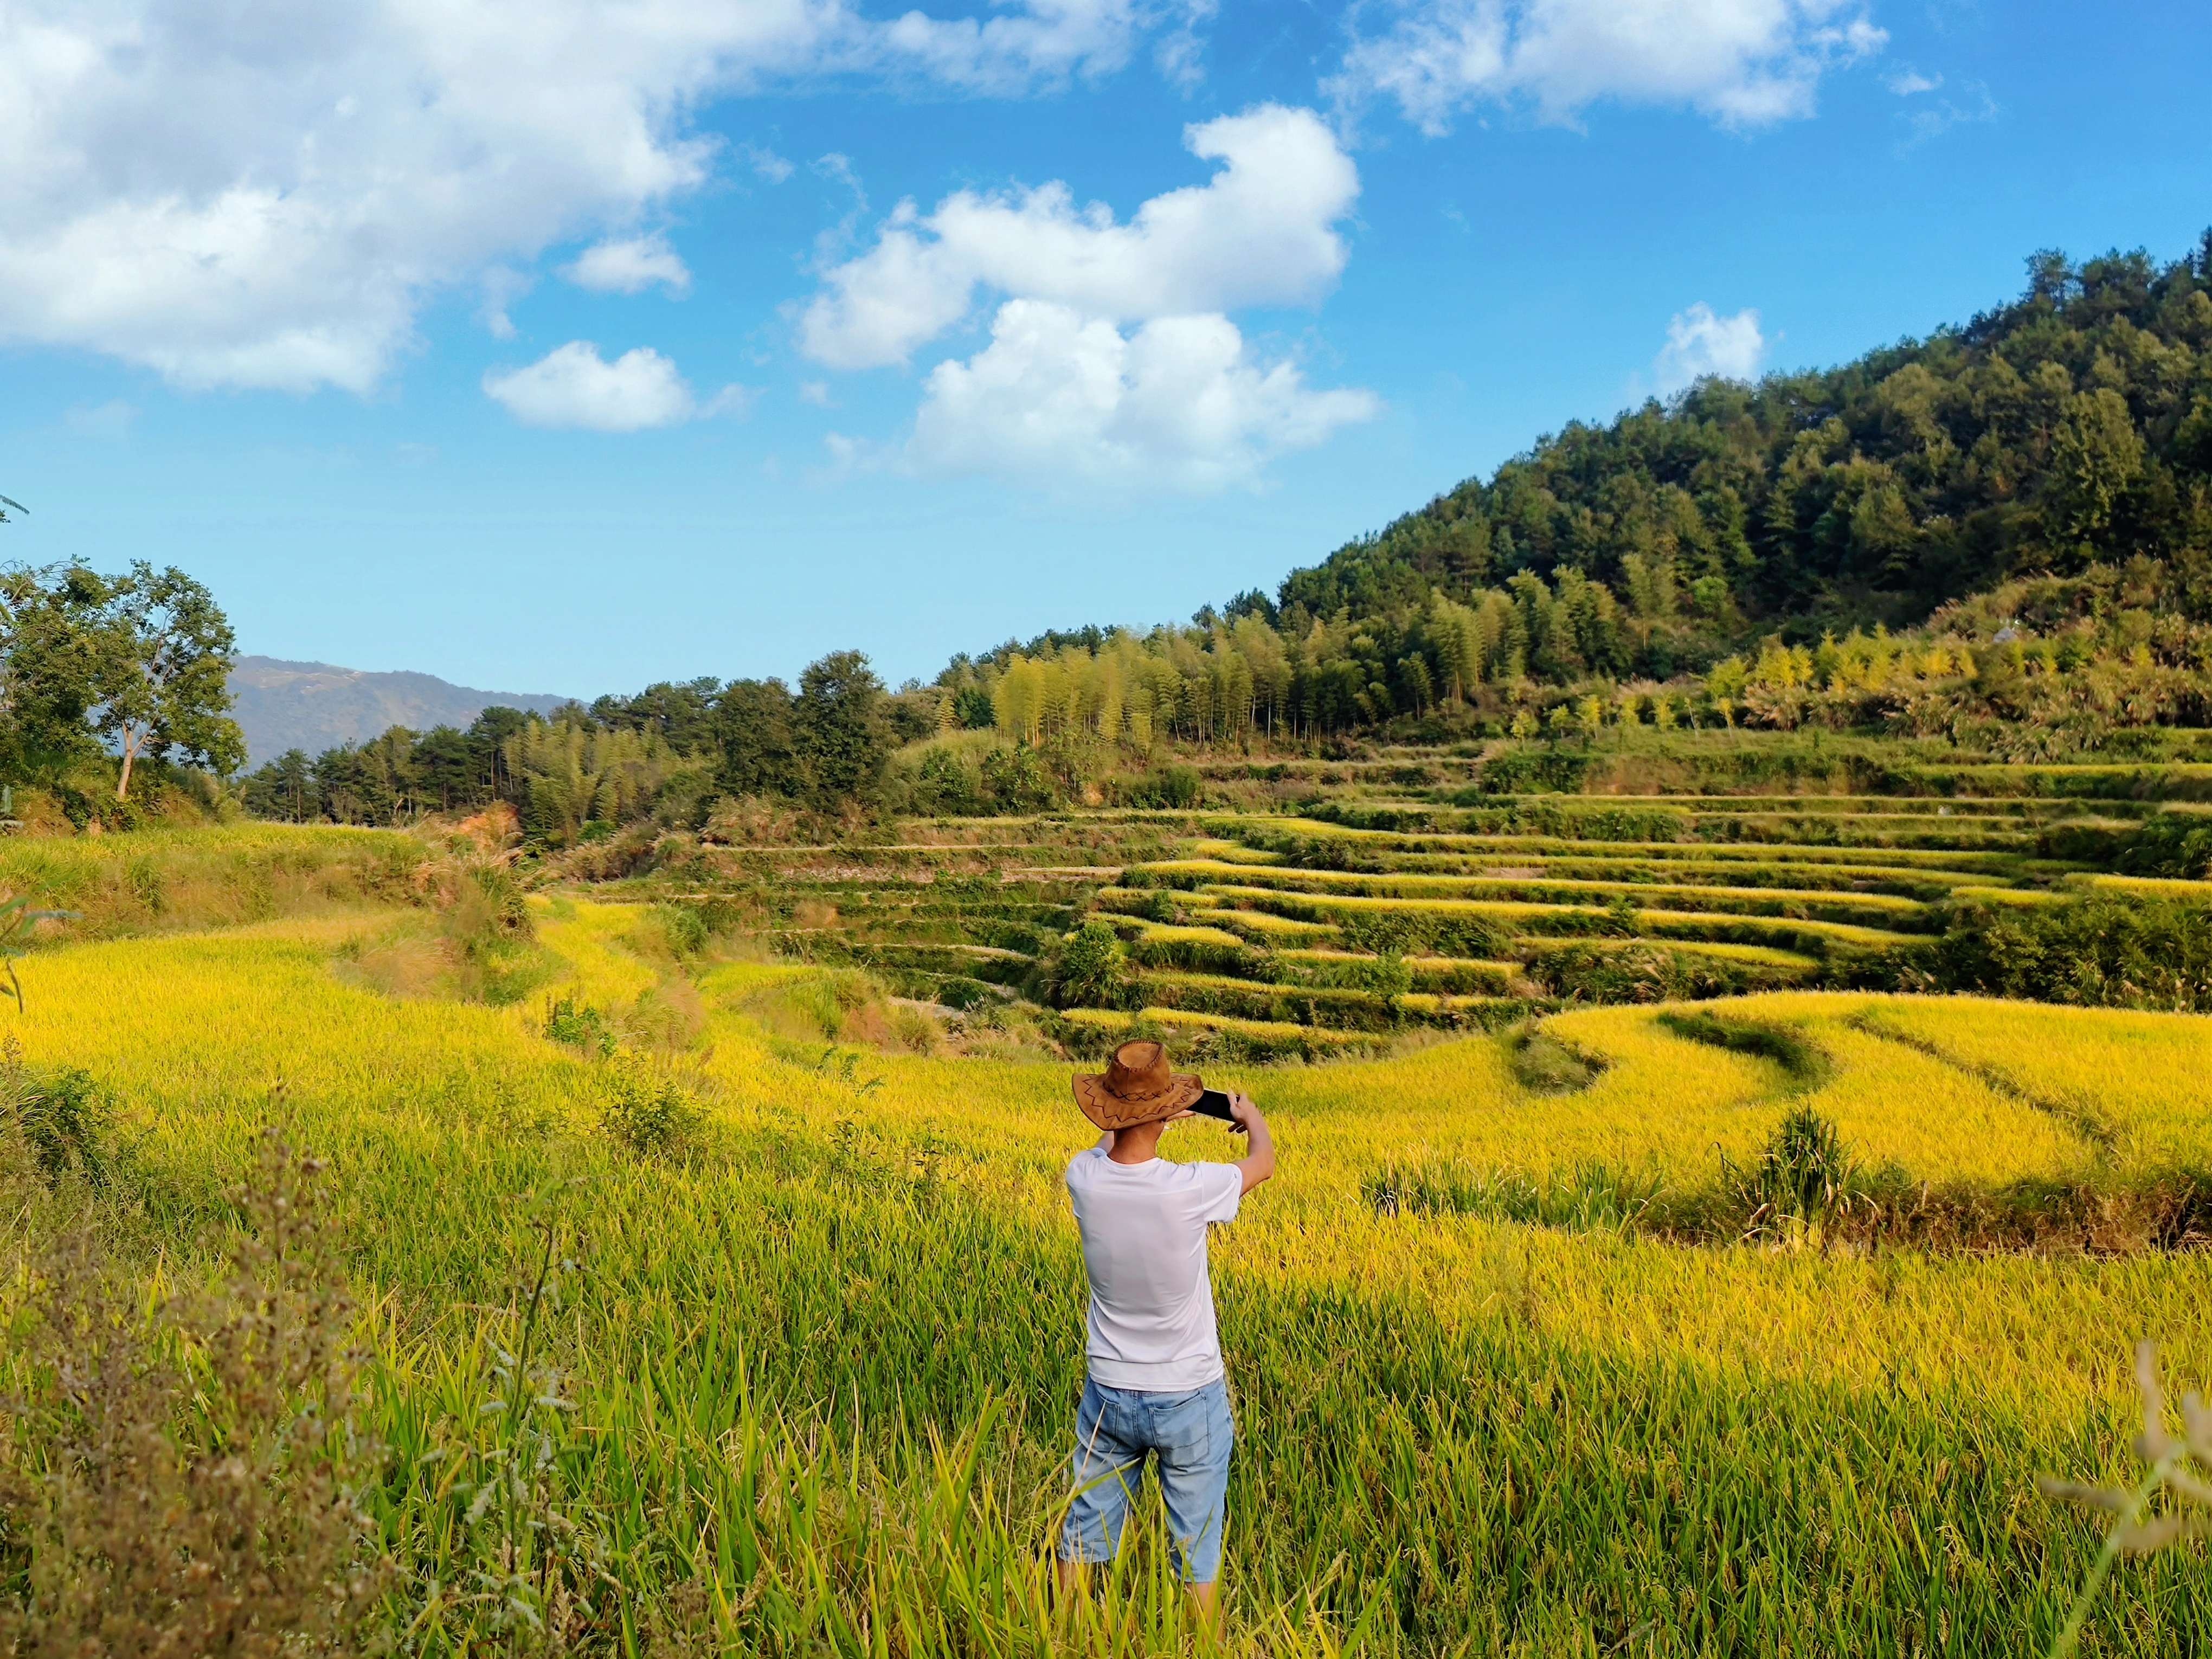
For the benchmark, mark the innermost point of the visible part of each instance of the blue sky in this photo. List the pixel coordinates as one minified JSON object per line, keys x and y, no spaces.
{"x":567,"y":346}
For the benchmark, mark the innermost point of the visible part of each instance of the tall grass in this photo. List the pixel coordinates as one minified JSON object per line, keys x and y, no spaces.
{"x":803,"y":1383}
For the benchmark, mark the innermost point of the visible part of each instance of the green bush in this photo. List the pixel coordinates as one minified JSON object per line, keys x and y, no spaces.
{"x":578,"y":1025}
{"x":1017,"y":780}
{"x":1088,"y":969}
{"x":2171,"y":844}
{"x":1803,"y":1174}
{"x":1177,"y":788}
{"x":2102,"y":951}
{"x":1524,"y":771}
{"x":654,"y":1117}
{"x":62,"y":1116}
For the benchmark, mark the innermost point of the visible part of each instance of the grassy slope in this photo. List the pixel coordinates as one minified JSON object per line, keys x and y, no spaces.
{"x":1521,"y":1440}
{"x":159,"y":879}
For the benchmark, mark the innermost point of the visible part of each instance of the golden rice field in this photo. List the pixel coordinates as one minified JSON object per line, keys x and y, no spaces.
{"x":816,"y":1374}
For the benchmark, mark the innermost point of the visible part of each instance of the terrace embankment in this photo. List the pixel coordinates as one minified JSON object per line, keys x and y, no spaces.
{"x":1380,"y":899}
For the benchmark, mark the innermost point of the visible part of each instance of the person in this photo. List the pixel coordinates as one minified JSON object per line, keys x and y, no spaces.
{"x":1155,"y":1386}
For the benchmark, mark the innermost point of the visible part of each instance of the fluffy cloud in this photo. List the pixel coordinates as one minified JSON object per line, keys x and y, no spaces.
{"x":1745,"y":63}
{"x":264,"y":195}
{"x":573,"y":386}
{"x":630,"y":265}
{"x":1059,"y":396}
{"x":1261,"y":231}
{"x":1006,"y":53}
{"x":1699,"y":343}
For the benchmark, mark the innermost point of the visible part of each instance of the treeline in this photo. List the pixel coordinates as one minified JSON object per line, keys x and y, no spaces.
{"x":667,"y":753}
{"x":2001,"y":535}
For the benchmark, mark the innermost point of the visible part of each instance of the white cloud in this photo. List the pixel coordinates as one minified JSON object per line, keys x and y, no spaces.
{"x":1700,"y":343}
{"x":1181,"y":54}
{"x":1260,"y":231}
{"x":1934,"y":117}
{"x":573,"y":386}
{"x":1910,"y":82}
{"x":766,"y":164}
{"x":267,"y":195}
{"x":816,"y":392}
{"x":630,"y":265}
{"x":1042,"y":39}
{"x":109,"y":421}
{"x":1060,"y":396}
{"x":502,"y":285}
{"x":1744,"y":63}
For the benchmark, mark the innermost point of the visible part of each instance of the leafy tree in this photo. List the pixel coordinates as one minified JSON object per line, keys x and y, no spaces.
{"x":681,"y":714}
{"x":445,"y":768}
{"x":971,"y":705}
{"x":753,"y":727}
{"x":161,"y":651}
{"x":915,"y":712}
{"x":285,"y":789}
{"x":52,"y":665}
{"x":843,"y":729}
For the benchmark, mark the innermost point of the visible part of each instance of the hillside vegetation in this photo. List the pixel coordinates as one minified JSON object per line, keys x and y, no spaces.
{"x":1998,"y":539}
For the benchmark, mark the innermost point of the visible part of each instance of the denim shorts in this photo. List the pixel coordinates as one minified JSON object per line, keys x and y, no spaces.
{"x":1190,"y":1433}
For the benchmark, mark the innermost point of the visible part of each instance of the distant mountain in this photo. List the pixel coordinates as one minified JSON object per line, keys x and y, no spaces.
{"x":314,"y":705}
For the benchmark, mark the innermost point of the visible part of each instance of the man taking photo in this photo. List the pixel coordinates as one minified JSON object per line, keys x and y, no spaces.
{"x":1157,"y":1388}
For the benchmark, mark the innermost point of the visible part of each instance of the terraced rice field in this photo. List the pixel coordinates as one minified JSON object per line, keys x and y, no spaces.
{"x":1391,"y":894}
{"x":814,"y":1368}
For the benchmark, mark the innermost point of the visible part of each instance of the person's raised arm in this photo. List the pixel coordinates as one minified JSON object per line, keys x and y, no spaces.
{"x":1258,"y":1163}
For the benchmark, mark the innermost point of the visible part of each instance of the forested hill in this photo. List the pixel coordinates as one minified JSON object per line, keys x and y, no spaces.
{"x":2071,"y":427}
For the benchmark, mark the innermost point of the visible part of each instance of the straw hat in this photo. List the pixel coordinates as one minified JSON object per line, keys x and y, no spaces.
{"x":1135,"y":1088}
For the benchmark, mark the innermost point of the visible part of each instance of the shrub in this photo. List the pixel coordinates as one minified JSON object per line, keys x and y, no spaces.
{"x":1089,"y":968}
{"x":61,"y":1114}
{"x":1017,"y":780}
{"x":2171,"y":844}
{"x":1607,"y":822}
{"x":580,"y":1025}
{"x":653,"y":1117}
{"x":2101,"y":952}
{"x":963,"y":993}
{"x":1523,"y":770}
{"x":1168,"y":787}
{"x":186,"y":1481}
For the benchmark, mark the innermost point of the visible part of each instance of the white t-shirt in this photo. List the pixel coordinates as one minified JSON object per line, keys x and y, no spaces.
{"x":1143,"y":1241}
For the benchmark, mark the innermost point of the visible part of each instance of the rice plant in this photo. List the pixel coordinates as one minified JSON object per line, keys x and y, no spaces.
{"x":801,"y":1380}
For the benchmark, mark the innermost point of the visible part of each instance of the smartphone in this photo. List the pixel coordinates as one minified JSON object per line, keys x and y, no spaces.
{"x":1213,"y":1103}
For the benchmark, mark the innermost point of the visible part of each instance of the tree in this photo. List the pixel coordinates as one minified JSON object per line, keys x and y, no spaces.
{"x":2096,"y":455}
{"x":683,"y":714}
{"x":843,"y":729}
{"x":760,"y":749}
{"x":53,"y":661}
{"x":161,"y":654}
{"x":285,"y":789}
